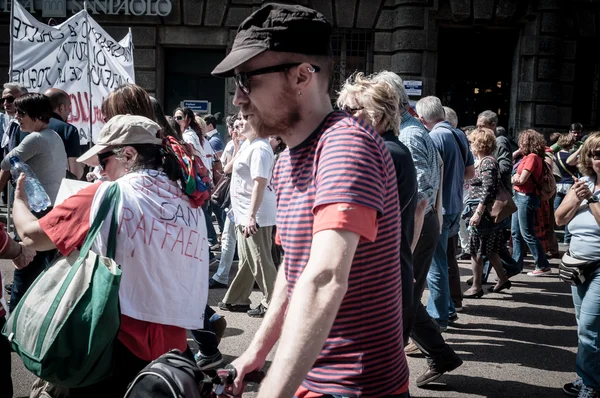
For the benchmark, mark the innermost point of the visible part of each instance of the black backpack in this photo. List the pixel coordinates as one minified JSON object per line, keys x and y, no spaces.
{"x":170,"y":376}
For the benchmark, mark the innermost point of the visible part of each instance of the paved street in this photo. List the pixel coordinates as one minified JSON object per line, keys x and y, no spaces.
{"x":516,"y":344}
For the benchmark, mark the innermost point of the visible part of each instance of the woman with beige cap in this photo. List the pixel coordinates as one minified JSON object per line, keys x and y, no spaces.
{"x":161,"y":244}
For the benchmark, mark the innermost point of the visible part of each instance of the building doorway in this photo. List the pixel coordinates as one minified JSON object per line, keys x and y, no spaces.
{"x":187,"y":77}
{"x":586,"y":99}
{"x":474,"y":71}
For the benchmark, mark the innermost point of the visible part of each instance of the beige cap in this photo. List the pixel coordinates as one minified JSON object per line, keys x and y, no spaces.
{"x":123,"y":130}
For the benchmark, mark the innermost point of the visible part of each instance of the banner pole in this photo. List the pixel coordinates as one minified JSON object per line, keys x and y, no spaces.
{"x":10,"y":79}
{"x":89,"y":73}
{"x":11,"y":50}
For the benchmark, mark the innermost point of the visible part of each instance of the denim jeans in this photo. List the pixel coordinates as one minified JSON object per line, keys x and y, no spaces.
{"x":228,"y":244}
{"x":210,"y":228}
{"x":557,"y":201}
{"x":523,"y":232}
{"x":586,"y":298}
{"x":439,"y":305}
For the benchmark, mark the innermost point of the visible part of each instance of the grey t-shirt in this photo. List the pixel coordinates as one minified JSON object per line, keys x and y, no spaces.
{"x":45,"y":153}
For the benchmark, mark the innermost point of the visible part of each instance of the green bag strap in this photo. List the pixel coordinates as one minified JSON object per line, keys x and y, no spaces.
{"x":111,"y":245}
{"x":110,"y":201}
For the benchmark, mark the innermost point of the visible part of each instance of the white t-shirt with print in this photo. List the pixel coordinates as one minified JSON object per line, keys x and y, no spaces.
{"x":162,"y":249}
{"x":255,"y":159}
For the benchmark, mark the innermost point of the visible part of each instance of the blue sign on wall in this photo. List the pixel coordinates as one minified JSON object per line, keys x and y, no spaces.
{"x":199,"y":106}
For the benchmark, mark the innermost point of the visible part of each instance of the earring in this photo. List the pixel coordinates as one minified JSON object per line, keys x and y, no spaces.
{"x":311,"y":69}
{"x":299,"y":93}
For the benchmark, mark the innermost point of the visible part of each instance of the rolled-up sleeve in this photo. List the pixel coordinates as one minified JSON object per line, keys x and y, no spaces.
{"x":28,"y":148}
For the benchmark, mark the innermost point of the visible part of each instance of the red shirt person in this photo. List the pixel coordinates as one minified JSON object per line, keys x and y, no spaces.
{"x":338,"y":219}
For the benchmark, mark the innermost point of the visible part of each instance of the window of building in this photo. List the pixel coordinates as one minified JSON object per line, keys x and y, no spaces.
{"x":352,"y":51}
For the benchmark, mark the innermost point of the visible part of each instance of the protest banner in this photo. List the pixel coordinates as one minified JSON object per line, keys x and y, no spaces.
{"x":77,"y":56}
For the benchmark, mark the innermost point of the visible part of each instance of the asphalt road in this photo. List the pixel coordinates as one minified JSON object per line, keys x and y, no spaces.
{"x":521,"y":343}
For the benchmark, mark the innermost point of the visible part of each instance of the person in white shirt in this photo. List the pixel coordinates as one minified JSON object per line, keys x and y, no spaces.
{"x":254,"y":211}
{"x":192,"y":133}
{"x":220,"y":279}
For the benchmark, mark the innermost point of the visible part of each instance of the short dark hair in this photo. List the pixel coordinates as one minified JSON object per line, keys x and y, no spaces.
{"x":212,"y":119}
{"x":230,"y":120}
{"x":36,"y":106}
{"x":576,"y":127}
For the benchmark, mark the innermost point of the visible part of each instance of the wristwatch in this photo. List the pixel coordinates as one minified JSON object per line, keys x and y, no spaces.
{"x":593,"y":199}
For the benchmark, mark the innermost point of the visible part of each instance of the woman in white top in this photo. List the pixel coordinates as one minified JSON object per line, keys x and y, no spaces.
{"x":161,"y":251}
{"x":254,"y":210}
{"x":193,"y":134}
{"x":580,"y":209}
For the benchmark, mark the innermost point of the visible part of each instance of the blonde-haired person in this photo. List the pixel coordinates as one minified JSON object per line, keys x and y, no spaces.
{"x":581,"y":211}
{"x":485,"y":239}
{"x":375,"y":100}
{"x":533,"y":146}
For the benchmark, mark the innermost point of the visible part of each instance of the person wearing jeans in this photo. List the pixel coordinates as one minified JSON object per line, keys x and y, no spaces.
{"x":530,"y":169}
{"x":453,"y":147}
{"x":581,"y":211}
{"x":228,"y":245}
{"x":439,"y":305}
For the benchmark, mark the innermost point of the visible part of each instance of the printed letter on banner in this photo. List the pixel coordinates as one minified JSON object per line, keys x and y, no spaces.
{"x":69,"y":56}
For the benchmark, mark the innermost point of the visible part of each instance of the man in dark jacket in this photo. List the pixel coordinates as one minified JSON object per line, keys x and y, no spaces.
{"x":61,"y":106}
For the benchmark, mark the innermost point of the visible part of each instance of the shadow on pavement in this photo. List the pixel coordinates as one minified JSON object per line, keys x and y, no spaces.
{"x":525,"y":315}
{"x":490,"y":388}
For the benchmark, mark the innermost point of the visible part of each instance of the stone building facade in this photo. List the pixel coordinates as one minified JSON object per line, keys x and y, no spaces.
{"x":535,"y":61}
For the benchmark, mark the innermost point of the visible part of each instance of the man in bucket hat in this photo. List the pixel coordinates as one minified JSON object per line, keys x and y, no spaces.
{"x":336,"y":306}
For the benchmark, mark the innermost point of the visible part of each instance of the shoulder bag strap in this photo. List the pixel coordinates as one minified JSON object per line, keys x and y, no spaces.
{"x":563,"y":165}
{"x":111,"y":199}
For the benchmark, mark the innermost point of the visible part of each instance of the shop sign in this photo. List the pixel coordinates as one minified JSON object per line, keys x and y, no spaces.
{"x":58,"y":8}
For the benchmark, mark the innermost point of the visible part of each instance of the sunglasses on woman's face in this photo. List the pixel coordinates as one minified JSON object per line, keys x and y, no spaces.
{"x":9,"y":99}
{"x":178,"y":118}
{"x":595,"y":155}
{"x":21,"y":113}
{"x":103,"y":157}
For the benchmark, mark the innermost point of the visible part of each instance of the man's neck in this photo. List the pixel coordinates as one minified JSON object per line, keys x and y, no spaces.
{"x":212,"y":132}
{"x":307,"y":125}
{"x":57,"y":116}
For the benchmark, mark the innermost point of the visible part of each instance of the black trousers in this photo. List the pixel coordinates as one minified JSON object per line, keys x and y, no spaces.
{"x":425,"y":332}
{"x":206,"y":338}
{"x":6,"y":387}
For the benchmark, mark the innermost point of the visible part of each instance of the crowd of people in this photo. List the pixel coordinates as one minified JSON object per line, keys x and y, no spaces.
{"x":341,"y":217}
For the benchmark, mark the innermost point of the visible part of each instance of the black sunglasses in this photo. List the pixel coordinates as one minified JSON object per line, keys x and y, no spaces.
{"x":243,"y":82}
{"x":352,"y":111}
{"x":21,"y":113}
{"x":9,"y":98}
{"x":102,"y":157}
{"x":178,"y":118}
{"x":595,"y":155}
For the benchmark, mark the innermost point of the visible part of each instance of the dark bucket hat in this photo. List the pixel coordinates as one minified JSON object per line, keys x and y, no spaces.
{"x":281,"y":28}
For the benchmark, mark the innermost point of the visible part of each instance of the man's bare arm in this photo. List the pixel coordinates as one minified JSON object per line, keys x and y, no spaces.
{"x":419,"y":218}
{"x":313,"y":307}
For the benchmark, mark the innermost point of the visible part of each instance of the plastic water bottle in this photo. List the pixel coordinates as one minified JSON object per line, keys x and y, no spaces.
{"x":36,"y":195}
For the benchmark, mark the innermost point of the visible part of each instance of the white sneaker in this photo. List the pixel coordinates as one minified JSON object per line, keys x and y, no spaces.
{"x":587,"y":392}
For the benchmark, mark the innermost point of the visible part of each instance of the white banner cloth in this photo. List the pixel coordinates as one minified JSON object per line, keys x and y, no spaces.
{"x":58,"y":56}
